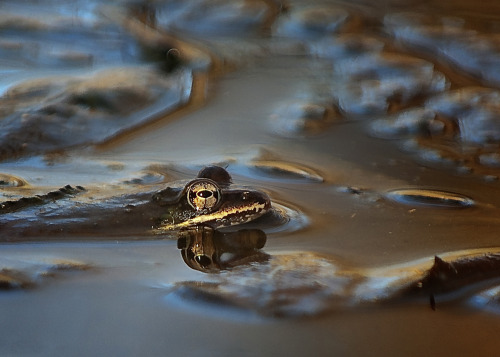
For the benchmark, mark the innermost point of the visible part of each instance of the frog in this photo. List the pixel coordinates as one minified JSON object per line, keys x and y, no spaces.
{"x":210,"y":199}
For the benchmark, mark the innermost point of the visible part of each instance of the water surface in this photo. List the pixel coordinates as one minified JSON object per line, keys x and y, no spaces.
{"x":378,"y":124}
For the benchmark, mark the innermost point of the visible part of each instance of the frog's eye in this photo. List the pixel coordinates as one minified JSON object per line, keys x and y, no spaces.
{"x":203,"y":260}
{"x":203,"y":194}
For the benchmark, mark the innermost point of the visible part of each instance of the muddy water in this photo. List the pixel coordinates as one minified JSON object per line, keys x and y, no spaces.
{"x":353,"y":115}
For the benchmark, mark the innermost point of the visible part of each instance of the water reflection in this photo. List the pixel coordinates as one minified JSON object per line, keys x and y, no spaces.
{"x":298,"y":284}
{"x":210,"y":251}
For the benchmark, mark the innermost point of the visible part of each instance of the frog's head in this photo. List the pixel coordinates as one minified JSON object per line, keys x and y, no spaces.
{"x":209,"y":200}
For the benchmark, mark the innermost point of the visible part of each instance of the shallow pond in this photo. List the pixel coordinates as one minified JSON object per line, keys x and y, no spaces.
{"x":372,"y":128}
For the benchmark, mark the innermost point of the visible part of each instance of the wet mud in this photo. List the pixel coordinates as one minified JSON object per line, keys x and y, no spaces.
{"x":357,"y":197}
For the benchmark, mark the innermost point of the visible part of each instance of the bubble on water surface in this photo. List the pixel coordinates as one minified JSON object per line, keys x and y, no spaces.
{"x":431,"y":198}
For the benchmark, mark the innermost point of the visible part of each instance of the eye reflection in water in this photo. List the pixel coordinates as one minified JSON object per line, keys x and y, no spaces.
{"x":210,"y":251}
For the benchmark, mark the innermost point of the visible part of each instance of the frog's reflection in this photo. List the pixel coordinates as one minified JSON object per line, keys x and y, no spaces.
{"x":210,"y":251}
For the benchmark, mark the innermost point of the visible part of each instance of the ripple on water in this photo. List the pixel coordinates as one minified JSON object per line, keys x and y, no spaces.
{"x":283,"y":218}
{"x":147,"y":178}
{"x":7,"y":180}
{"x":431,"y":198}
{"x":266,"y":166}
{"x":292,"y":219}
{"x":285,"y":171}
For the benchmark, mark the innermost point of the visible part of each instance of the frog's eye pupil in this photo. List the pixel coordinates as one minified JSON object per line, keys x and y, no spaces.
{"x":203,"y":260}
{"x":203,"y":195}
